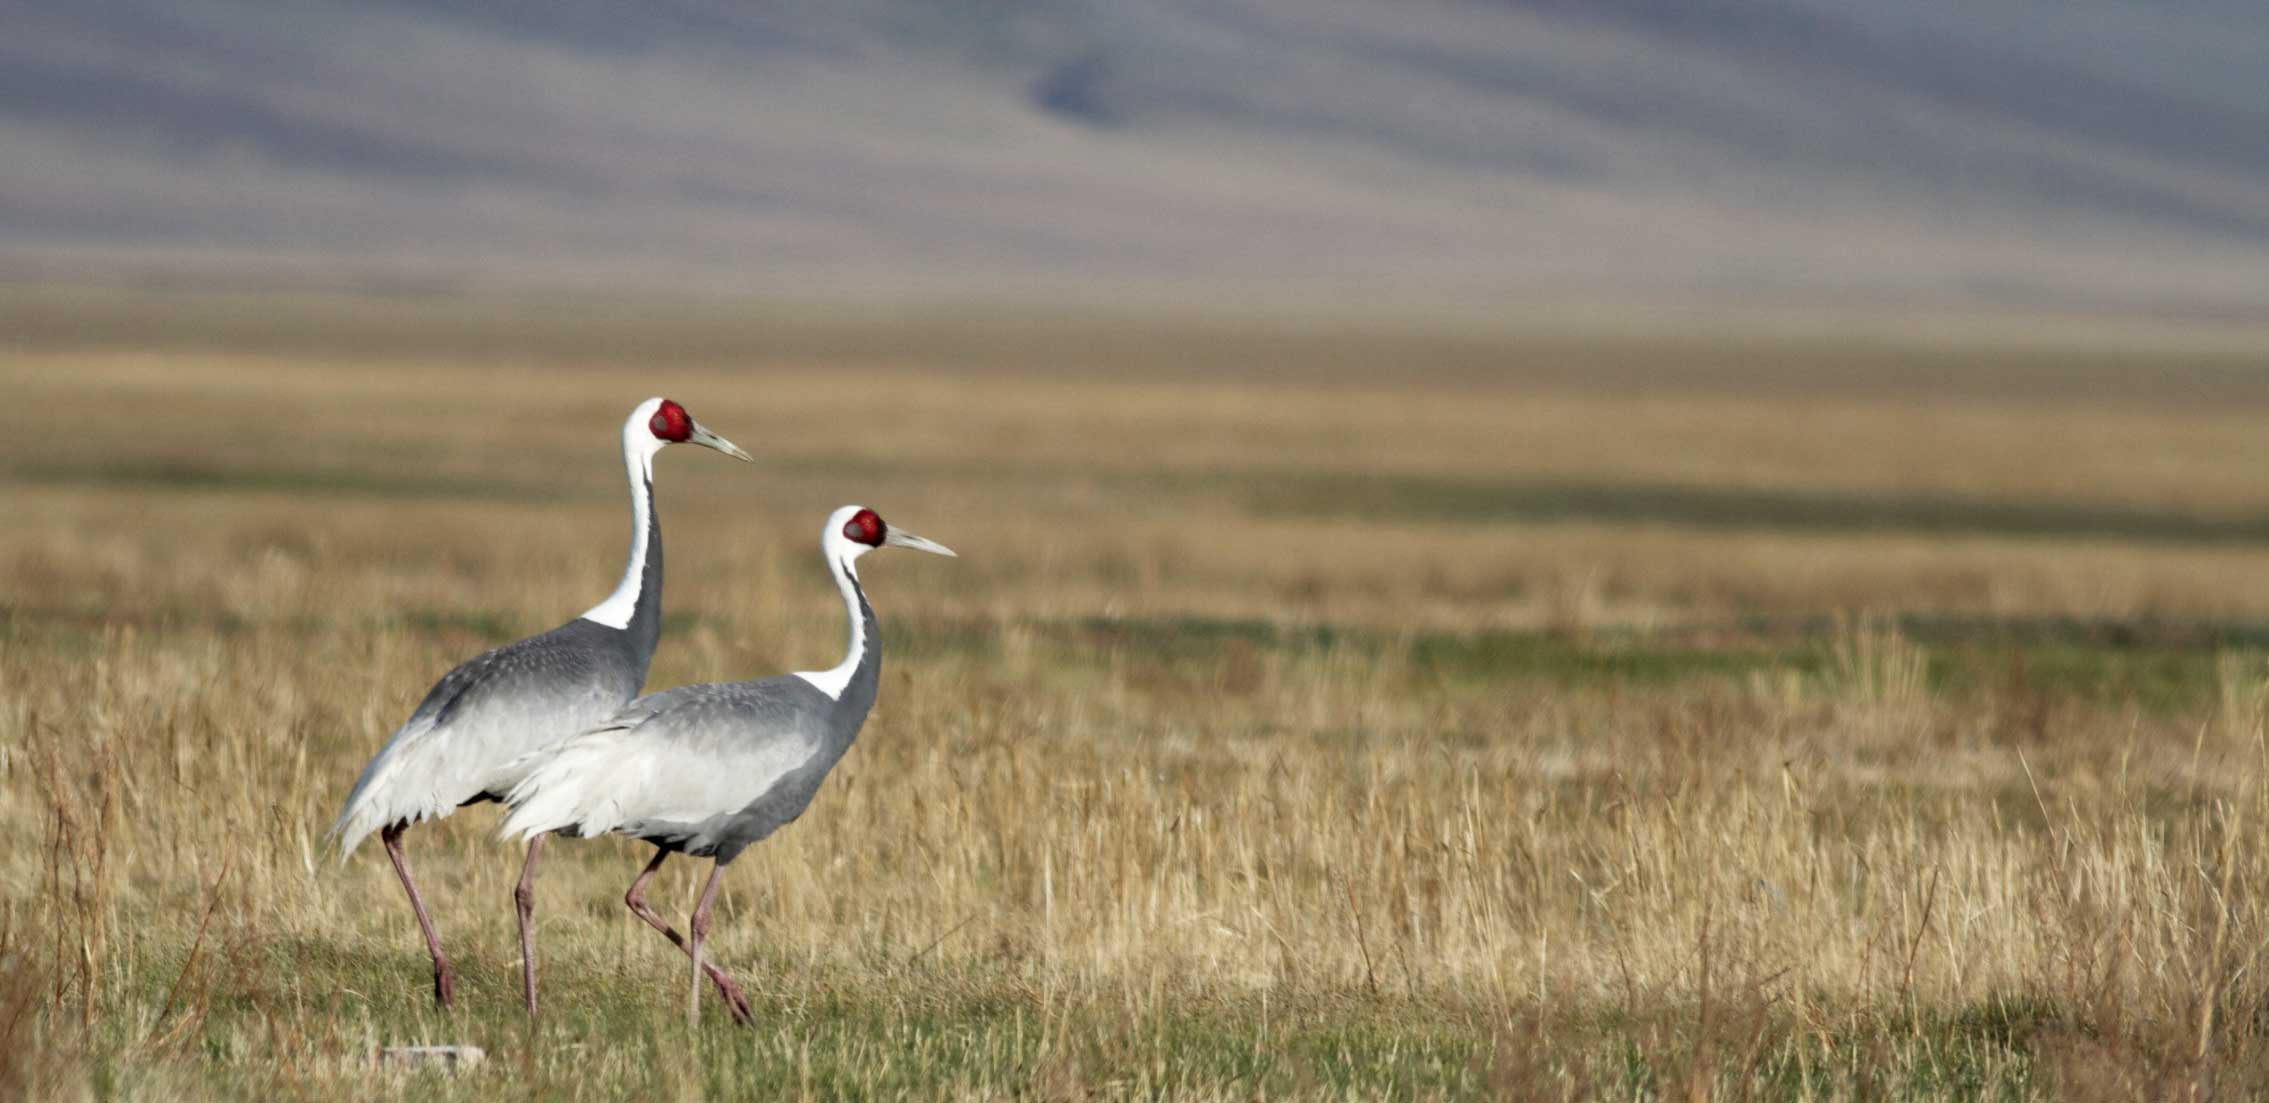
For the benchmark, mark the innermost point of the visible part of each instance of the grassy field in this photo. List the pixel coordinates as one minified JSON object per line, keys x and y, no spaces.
{"x":1317,"y":711}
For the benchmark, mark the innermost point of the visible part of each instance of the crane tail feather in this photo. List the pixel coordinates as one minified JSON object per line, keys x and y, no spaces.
{"x":556,"y":794}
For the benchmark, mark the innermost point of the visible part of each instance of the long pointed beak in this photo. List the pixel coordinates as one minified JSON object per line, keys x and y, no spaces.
{"x":898,"y":538}
{"x":707,"y":439}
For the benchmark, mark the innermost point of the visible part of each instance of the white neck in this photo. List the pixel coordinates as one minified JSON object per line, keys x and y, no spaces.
{"x":638,"y":447}
{"x":834,"y":682}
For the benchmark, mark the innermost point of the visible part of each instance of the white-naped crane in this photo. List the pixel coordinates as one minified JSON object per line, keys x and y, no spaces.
{"x":707,"y":770}
{"x":466,"y":740}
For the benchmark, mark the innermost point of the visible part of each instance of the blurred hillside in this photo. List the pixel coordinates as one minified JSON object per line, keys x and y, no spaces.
{"x":2068,"y":153}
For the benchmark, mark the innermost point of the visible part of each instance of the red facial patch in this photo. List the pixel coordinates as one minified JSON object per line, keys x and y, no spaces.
{"x":671,"y":423}
{"x":865,"y":528}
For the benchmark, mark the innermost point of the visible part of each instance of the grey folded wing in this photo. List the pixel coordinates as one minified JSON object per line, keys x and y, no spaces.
{"x":489,"y":712}
{"x":706,"y":769}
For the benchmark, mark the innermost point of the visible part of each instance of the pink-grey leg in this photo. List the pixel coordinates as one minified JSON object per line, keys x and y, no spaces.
{"x":636,"y":899}
{"x":524,"y":900}
{"x":698,"y":927}
{"x":444,"y":980}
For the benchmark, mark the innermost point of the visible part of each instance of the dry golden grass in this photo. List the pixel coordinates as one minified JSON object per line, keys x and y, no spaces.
{"x":1497,"y":716}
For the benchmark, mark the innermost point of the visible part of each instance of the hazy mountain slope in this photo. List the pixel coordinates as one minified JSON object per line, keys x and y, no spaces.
{"x":2079,"y":150}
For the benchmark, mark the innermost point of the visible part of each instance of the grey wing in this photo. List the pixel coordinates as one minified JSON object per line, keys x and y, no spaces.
{"x":461,"y":741}
{"x":689,"y":767}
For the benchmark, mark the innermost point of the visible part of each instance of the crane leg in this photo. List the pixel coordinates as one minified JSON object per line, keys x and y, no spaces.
{"x":698,"y":926}
{"x":444,"y":980}
{"x":636,"y":899}
{"x":524,"y":901}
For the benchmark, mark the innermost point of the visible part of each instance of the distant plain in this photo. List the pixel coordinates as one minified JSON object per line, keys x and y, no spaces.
{"x":1321,"y":707}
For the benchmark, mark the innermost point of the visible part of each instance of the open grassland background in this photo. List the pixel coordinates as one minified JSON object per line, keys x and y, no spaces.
{"x":1319,"y":710}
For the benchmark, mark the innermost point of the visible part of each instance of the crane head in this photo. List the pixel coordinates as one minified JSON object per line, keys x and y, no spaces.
{"x":854,"y":531}
{"x":670,"y":424}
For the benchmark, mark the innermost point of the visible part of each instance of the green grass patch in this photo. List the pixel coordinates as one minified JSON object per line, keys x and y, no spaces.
{"x":2160,"y":666}
{"x":1480,"y":499}
{"x":178,"y":475}
{"x":614,"y":1029}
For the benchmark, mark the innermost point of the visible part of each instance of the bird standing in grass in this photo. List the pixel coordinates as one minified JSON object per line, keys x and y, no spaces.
{"x":462,"y":744}
{"x":707,"y":770}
